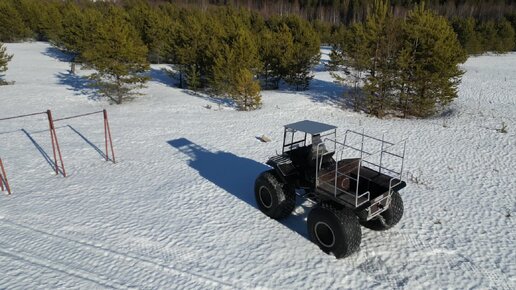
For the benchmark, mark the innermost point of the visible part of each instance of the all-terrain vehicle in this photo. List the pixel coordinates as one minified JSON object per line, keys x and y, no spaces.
{"x":361,"y":189}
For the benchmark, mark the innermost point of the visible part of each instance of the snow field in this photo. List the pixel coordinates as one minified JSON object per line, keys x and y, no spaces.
{"x":177,"y":211}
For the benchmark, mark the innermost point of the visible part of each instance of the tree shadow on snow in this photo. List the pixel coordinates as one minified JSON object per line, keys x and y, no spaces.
{"x":234,"y":174}
{"x":161,"y":76}
{"x":327,"y":92}
{"x":321,"y":66}
{"x":166,"y":77}
{"x":226,"y":102}
{"x":58,"y":54}
{"x":80,"y":85}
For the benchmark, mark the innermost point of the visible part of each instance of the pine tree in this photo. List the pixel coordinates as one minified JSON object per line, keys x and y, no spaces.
{"x":505,"y":36}
{"x":184,"y":46}
{"x":246,"y":91}
{"x":4,"y":59}
{"x":12,"y":26}
{"x":239,"y":53}
{"x":348,"y":62}
{"x":193,"y":77}
{"x":512,"y":19}
{"x":153,"y":26}
{"x":497,"y":36}
{"x":213,"y":43}
{"x":381,"y":34}
{"x":410,"y":66}
{"x":79,"y":29}
{"x":429,"y":59}
{"x":51,"y":24}
{"x":35,"y":15}
{"x":305,"y":53}
{"x":467,"y":34}
{"x":118,"y":55}
{"x":30,"y":13}
{"x":487,"y":32}
{"x":324,"y":30}
{"x":276,"y":49}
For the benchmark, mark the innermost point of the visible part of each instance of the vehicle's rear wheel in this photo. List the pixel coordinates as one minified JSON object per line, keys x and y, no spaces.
{"x":389,"y":217}
{"x":274,"y":198}
{"x":334,"y":231}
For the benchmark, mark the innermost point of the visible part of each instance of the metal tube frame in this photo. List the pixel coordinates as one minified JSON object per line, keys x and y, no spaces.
{"x":361,"y":161}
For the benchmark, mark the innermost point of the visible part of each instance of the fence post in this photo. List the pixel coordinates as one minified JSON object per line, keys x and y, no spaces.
{"x":55,"y":145}
{"x":107,"y":136}
{"x":3,"y":178}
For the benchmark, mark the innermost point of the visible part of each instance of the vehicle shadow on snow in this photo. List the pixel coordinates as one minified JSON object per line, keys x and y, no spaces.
{"x":234,"y":174}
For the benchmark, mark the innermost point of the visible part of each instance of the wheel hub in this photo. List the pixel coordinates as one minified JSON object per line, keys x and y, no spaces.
{"x":324,"y":234}
{"x":265,"y":197}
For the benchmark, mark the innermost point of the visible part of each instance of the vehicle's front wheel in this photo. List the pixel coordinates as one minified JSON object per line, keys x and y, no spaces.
{"x":389,"y":217}
{"x":274,"y":198}
{"x":334,"y":231}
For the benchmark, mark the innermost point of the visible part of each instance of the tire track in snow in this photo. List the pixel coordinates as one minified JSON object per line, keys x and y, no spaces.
{"x":380,"y":272}
{"x":111,"y":263}
{"x":461,"y":263}
{"x":458,"y":262}
{"x":450,"y":258}
{"x":8,"y":251}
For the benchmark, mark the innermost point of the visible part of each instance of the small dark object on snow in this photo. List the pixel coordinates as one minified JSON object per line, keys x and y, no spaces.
{"x":349,"y":192}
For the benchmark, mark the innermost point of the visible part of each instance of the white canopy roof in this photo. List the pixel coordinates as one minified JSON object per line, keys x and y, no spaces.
{"x":310,"y":127}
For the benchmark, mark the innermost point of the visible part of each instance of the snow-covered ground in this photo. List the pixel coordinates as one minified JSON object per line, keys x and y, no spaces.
{"x":177,"y":210}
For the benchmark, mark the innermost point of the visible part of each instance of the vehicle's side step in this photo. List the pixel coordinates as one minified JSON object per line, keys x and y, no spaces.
{"x":310,"y":195}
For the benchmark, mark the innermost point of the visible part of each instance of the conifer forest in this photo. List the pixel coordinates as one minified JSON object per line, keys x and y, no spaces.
{"x":399,"y":57}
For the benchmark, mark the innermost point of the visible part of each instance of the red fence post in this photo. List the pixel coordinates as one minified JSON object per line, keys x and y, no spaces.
{"x":3,"y":178}
{"x":55,"y":144}
{"x":107,"y":136}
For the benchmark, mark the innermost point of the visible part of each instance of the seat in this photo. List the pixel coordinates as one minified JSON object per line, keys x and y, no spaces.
{"x":324,"y":154}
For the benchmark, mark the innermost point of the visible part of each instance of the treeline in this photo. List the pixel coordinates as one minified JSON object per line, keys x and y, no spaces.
{"x":406,"y":67}
{"x":475,"y":36}
{"x":481,"y":25}
{"x":482,"y":36}
{"x":401,"y":65}
{"x":221,"y":50}
{"x":352,"y":11}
